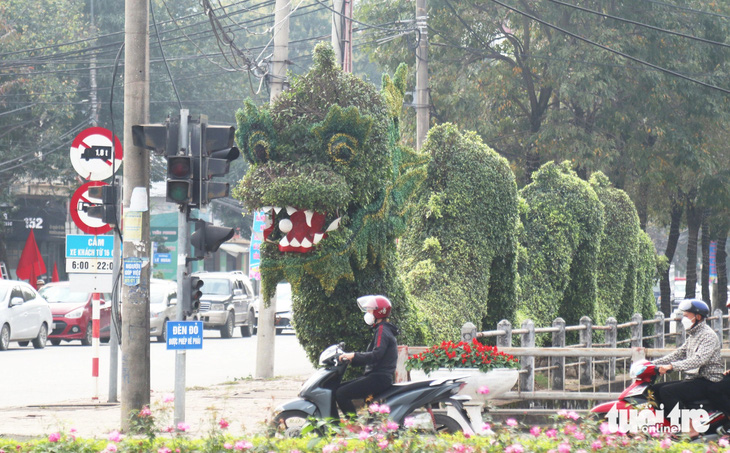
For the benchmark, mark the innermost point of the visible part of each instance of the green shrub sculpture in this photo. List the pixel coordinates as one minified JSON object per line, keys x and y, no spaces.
{"x":563,"y":226}
{"x":459,"y":250}
{"x":326,"y":154}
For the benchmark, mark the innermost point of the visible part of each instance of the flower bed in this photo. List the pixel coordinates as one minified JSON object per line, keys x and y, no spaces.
{"x":567,"y":433}
{"x":461,"y":355}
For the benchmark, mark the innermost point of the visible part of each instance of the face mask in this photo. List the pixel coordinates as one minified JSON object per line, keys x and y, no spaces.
{"x":687,"y":323}
{"x":369,"y":319}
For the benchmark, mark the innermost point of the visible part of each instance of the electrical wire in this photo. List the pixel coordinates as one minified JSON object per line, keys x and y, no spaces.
{"x":162,"y":52}
{"x":622,"y":54}
{"x":640,"y":24}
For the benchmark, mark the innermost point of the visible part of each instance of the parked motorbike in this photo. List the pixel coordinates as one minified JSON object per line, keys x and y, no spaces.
{"x":420,"y":399}
{"x":638,"y":397}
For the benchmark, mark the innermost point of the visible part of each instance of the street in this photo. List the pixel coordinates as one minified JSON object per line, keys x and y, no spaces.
{"x":60,"y":373}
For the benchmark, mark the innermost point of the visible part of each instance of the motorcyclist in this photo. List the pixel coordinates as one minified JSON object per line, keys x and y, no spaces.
{"x":380,"y":358}
{"x":699,"y":357}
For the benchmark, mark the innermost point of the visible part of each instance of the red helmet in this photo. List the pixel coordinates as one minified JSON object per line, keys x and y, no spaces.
{"x":380,"y":305}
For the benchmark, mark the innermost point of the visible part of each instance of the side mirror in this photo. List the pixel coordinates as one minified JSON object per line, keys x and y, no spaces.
{"x":172,"y":301}
{"x":16,"y":301}
{"x":238,"y":292}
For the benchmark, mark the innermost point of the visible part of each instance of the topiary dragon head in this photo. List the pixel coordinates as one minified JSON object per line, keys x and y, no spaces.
{"x":324,"y":163}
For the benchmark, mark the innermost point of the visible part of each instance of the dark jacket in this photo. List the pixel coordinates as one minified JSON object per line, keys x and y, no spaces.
{"x":382,"y":353}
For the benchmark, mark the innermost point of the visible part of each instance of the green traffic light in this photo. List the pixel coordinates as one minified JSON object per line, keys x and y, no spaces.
{"x":178,"y":191}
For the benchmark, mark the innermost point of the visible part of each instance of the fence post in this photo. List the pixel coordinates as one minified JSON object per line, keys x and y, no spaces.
{"x":505,"y":341}
{"x":611,"y":337}
{"x":659,"y":330}
{"x":717,"y":324}
{"x":558,"y":362}
{"x":586,"y":338}
{"x":637,"y":331}
{"x":681,"y":333}
{"x":527,"y":340}
{"x":468,"y":332}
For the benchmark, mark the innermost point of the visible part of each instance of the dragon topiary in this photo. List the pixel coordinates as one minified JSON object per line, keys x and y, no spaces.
{"x":327,"y":168}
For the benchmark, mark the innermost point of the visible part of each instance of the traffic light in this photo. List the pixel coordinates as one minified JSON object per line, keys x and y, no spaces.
{"x":212,"y":149}
{"x":162,"y":139}
{"x":207,"y":237}
{"x":195,"y":294}
{"x":106,"y":210}
{"x":179,"y":179}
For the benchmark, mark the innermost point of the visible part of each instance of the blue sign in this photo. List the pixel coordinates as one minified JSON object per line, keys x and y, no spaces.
{"x":185,"y":335}
{"x":89,"y":246}
{"x":257,"y":237}
{"x":132,"y":271}
{"x":162,"y":258}
{"x":713,"y":259}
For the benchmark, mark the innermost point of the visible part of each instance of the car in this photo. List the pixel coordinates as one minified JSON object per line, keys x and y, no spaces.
{"x":163,"y":307}
{"x":24,"y":315}
{"x":227,"y":302}
{"x":283,"y":316}
{"x":72,"y":313}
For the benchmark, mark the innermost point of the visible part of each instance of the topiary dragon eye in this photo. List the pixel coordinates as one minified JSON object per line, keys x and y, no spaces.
{"x":342,"y":148}
{"x":259,"y":144}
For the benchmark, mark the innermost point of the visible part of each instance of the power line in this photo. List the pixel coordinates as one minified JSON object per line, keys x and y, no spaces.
{"x":627,"y":56}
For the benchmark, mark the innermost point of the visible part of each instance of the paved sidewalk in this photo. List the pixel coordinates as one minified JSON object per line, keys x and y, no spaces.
{"x":246,"y":404}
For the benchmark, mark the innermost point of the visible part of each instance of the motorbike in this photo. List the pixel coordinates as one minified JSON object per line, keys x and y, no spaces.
{"x":629,"y":411}
{"x":423,"y":400}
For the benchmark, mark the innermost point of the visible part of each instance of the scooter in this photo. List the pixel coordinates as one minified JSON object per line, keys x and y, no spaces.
{"x":417,"y":399}
{"x":636,"y":409}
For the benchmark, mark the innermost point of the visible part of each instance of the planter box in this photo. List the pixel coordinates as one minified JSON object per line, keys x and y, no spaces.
{"x":498,"y":381}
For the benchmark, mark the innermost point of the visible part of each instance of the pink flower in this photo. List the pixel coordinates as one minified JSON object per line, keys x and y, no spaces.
{"x":579,"y":435}
{"x":363,"y":435}
{"x":570,"y":429}
{"x":374,"y":408}
{"x":409,"y":422}
{"x":551,"y":433}
{"x":514,"y":448}
{"x":329,"y":448}
{"x":535,"y":431}
{"x":182,"y":426}
{"x":228,"y":446}
{"x":511,"y":422}
{"x":111,"y":447}
{"x":164,"y":450}
{"x":384,"y":409}
{"x":666,"y":443}
{"x":114,"y":436}
{"x":241,"y":445}
{"x":391,"y":426}
{"x":723,"y":442}
{"x":486,"y":427}
{"x":54,"y":437}
{"x":483,"y":390}
{"x":573,"y":415}
{"x":72,"y":430}
{"x":223,"y":423}
{"x":564,"y":448}
{"x":383,"y":444}
{"x":169,"y":398}
{"x":168,"y":429}
{"x":145,"y":412}
{"x":604,"y":428}
{"x":596,"y":445}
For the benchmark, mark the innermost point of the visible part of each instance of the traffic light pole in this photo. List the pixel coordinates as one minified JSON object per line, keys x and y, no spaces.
{"x":183,"y":273}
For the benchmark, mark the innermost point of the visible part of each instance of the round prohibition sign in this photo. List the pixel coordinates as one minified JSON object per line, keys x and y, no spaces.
{"x":80,"y":201}
{"x":92,"y":155}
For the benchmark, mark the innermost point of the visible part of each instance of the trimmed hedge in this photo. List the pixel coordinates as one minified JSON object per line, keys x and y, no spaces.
{"x":459,"y":250}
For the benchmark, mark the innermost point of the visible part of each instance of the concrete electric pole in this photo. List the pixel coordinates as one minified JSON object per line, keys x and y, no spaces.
{"x":266,"y":331}
{"x":423,"y":109}
{"x":342,"y":33}
{"x":136,"y":251}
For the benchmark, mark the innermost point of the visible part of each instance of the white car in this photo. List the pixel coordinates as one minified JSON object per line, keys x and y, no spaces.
{"x":163,"y":307}
{"x":24,"y":315}
{"x":283,"y":316}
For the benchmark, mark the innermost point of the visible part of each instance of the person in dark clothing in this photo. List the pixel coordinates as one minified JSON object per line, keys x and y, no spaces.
{"x":380,"y":358}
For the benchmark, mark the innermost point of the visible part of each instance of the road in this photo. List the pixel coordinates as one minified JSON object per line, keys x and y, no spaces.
{"x":61,"y":373}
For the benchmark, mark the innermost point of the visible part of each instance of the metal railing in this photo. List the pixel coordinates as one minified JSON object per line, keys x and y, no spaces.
{"x":594,"y":369}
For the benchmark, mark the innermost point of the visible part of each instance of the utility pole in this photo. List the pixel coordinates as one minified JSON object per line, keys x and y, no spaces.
{"x":136,"y":244}
{"x":266,"y":332}
{"x":422,"y":101}
{"x":92,"y":75}
{"x":183,"y":271}
{"x":342,"y":33}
